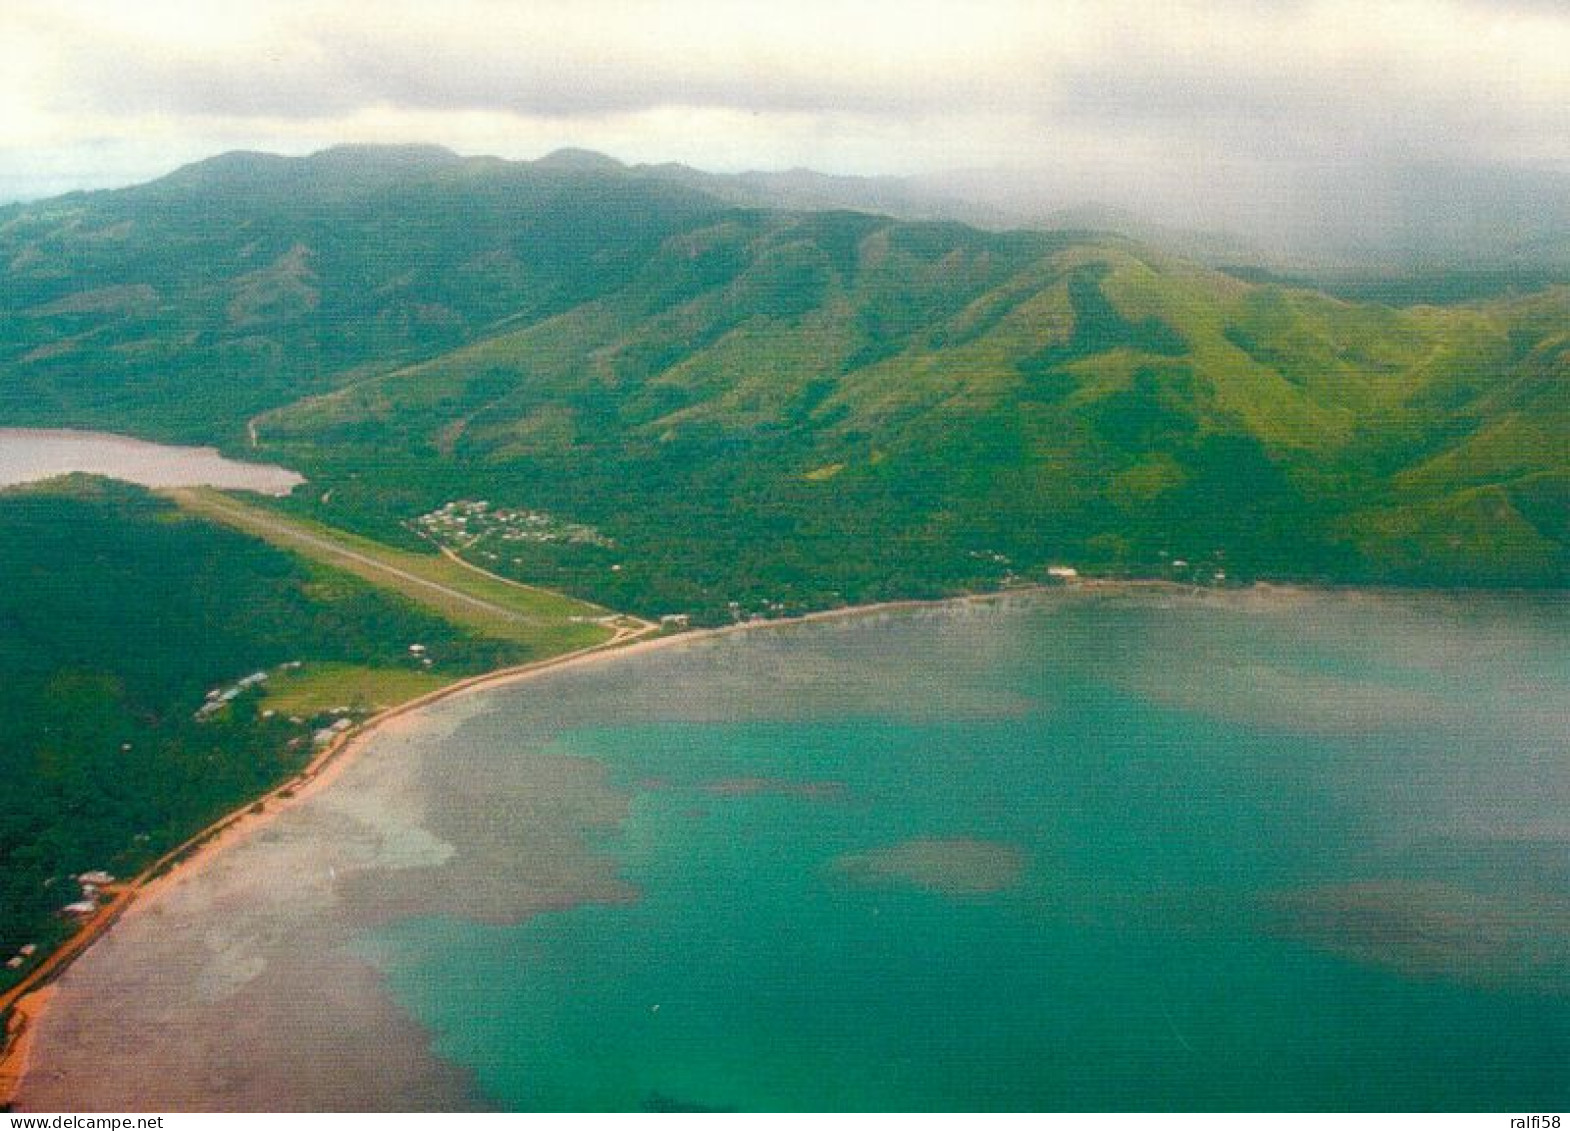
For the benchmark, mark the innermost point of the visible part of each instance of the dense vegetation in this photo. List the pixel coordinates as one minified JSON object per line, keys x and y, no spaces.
{"x":784,"y":409}
{"x":668,"y":403}
{"x":181,"y":307}
{"x":118,"y":614}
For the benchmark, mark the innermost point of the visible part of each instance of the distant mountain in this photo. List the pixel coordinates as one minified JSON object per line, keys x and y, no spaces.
{"x":1422,"y":225}
{"x":784,"y":407}
{"x":803,"y":190}
{"x":580,"y":161}
{"x":1363,"y":222}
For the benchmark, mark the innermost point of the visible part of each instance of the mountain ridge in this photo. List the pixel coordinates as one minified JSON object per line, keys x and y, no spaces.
{"x":782,"y":406}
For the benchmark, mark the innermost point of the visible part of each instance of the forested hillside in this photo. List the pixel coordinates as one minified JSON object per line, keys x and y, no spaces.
{"x":786,"y":409}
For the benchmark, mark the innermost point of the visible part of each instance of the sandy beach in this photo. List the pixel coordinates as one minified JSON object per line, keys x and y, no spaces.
{"x":22,"y":1027}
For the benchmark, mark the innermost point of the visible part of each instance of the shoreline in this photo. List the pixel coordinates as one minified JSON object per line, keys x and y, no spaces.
{"x":20,"y":1030}
{"x":25,"y":1004}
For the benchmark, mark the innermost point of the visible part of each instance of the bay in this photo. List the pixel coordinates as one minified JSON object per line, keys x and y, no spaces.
{"x":1136,"y":850}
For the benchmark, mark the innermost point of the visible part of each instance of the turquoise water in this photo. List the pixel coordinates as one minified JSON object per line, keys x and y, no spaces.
{"x":1077,"y":853}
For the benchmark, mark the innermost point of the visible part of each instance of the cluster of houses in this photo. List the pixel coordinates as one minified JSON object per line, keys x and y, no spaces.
{"x":988,"y":556}
{"x":767,"y":608}
{"x":220,"y":697}
{"x":92,"y":884}
{"x":1058,"y":573}
{"x":1196,"y":572}
{"x":1009,"y":577}
{"x":463,"y":523}
{"x":326,"y":734}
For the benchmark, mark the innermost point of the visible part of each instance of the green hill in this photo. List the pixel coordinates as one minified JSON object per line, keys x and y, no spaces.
{"x":180,"y":307}
{"x":786,"y":409}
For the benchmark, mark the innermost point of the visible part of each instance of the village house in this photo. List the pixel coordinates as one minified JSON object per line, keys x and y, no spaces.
{"x":328,"y":733}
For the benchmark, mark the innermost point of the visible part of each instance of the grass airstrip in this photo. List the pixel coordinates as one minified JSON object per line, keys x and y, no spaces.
{"x":545,"y":623}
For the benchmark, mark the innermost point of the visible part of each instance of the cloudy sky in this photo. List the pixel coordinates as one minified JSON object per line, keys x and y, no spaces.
{"x":1180,"y":96}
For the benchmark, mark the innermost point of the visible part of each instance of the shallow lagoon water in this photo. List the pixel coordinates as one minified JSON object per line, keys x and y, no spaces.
{"x":31,"y":455}
{"x":1121,"y":851}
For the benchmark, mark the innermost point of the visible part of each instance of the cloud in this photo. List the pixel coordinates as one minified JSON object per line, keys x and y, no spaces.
{"x":852,"y":85}
{"x":540,"y":59}
{"x":1334,"y":81}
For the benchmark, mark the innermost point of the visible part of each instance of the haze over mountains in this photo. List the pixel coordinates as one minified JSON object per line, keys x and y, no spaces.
{"x":1335,"y":224}
{"x":763,"y":395}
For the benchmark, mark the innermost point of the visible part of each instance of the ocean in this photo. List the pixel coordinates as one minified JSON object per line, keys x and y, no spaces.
{"x":1087,"y":850}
